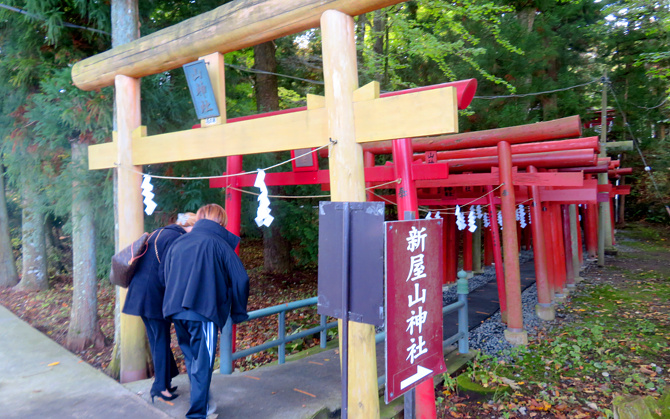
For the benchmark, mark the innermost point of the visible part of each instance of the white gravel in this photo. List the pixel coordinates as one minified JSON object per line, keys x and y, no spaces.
{"x":489,"y":336}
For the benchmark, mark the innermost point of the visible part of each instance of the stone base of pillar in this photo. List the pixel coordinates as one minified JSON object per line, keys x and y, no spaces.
{"x":516,"y":337}
{"x":578,"y":279}
{"x":611,"y":251}
{"x":469,"y":274}
{"x":545,"y":312}
{"x":566,"y":291}
{"x":559,"y":298}
{"x":571,"y":286}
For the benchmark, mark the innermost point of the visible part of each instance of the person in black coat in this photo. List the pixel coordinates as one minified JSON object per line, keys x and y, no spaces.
{"x":205,"y":283}
{"x":145,"y":299}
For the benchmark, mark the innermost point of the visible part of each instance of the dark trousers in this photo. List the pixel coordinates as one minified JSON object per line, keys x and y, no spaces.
{"x":165,"y":367}
{"x":197,"y":340}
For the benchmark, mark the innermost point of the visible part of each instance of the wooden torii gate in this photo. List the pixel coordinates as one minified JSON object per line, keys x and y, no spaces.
{"x":348,"y":116}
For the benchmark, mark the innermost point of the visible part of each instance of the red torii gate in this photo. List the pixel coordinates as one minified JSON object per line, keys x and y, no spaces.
{"x":414,"y":175}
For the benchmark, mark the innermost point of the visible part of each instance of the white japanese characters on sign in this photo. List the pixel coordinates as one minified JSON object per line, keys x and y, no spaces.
{"x":414,"y":262}
{"x":416,"y":240}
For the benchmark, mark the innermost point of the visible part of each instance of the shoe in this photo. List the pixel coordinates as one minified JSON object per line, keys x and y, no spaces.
{"x":172,"y":389}
{"x":162,"y":396}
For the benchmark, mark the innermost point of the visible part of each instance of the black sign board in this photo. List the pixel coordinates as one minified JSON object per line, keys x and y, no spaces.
{"x":365,"y":238}
{"x":201,"y":90}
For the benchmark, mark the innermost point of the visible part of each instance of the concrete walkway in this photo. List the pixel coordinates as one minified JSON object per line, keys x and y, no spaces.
{"x":307,"y":388}
{"x":41,"y":379}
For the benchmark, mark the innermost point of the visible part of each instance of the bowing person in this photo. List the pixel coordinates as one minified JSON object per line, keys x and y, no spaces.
{"x":145,"y":299}
{"x":205,"y":283}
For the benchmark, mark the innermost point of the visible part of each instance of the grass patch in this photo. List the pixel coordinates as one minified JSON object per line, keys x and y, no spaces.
{"x":616,"y":343}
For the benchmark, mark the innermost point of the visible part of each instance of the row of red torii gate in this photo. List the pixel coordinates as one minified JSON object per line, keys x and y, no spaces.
{"x":539,"y":179}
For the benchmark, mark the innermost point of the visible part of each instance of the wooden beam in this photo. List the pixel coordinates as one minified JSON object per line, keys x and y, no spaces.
{"x":374,"y":120}
{"x":519,"y":179}
{"x":541,"y":131}
{"x":569,"y":196}
{"x":619,"y":145}
{"x":348,"y":184}
{"x":231,"y":27}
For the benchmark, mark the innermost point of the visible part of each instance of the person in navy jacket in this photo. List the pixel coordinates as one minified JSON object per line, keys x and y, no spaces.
{"x":205,"y":283}
{"x":145,"y":299}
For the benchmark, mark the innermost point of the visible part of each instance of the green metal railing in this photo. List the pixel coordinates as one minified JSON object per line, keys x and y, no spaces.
{"x":227,"y":356}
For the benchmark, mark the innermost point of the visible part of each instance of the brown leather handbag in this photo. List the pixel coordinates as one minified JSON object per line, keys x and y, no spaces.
{"x":125,"y":262}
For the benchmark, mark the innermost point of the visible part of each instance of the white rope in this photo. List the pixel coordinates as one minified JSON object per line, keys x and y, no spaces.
{"x":537,"y":93}
{"x":132,"y":169}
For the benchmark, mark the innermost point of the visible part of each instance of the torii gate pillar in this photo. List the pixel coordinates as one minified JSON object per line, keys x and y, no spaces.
{"x":545,"y":310}
{"x":515,"y":333}
{"x":347,"y":183}
{"x":131,"y":221}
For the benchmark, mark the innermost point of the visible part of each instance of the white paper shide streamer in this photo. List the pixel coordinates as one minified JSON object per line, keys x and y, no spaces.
{"x":263,"y":217}
{"x":521,"y":215}
{"x":478,"y":212}
{"x":460,"y":218}
{"x":487,"y":222}
{"x":472,"y":221}
{"x":500,"y":219}
{"x":147,"y":187}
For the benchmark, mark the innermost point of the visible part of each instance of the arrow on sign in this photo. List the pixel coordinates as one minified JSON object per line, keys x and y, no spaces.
{"x":420,"y":373}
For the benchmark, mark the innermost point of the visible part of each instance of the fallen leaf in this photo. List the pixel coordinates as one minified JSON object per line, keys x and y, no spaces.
{"x":53,"y":364}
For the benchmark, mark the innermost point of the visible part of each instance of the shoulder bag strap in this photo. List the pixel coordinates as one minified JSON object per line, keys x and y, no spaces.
{"x":156,"y":244}
{"x":132,"y":259}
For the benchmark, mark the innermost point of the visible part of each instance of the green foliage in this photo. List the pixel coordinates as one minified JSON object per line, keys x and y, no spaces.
{"x":510,"y":47}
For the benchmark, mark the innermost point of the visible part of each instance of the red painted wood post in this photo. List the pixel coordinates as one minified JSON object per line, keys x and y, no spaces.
{"x":515,"y":333}
{"x":407,"y":202}
{"x":488,"y":247}
{"x":580,"y":243}
{"x":519,"y":232}
{"x":467,"y":252}
{"x":368,"y":161}
{"x":234,"y":197}
{"x":497,"y":255}
{"x":544,"y":309}
{"x":406,"y":189}
{"x":527,"y":236}
{"x":234,"y":211}
{"x":451,"y":263}
{"x":559,"y":251}
{"x":549,"y":248}
{"x":567,"y":246}
{"x":612,"y":221}
{"x":592,"y":230}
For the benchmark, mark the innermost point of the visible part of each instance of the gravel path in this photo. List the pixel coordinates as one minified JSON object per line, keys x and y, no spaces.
{"x":489,"y":336}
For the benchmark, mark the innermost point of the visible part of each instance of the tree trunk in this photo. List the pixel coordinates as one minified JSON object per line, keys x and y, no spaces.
{"x":361,"y":23}
{"x":378,"y":33}
{"x":55,"y":250}
{"x":84,"y":329}
{"x":8,"y":275}
{"x":526,"y":18}
{"x":276,"y":249}
{"x":34,"y":275}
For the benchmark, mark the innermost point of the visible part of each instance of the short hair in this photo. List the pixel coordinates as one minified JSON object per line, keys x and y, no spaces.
{"x":213,"y":212}
{"x":186,"y":219}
